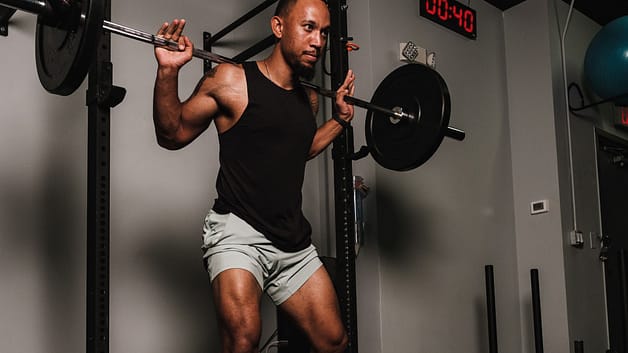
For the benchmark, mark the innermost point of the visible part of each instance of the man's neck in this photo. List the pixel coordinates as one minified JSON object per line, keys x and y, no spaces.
{"x":278,"y":71}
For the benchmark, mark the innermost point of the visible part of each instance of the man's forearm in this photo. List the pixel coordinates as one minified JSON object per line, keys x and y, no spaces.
{"x":325,"y":135}
{"x":166,"y":103}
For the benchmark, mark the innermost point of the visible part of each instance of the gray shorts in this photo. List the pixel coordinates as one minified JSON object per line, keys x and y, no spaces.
{"x":229,"y":242}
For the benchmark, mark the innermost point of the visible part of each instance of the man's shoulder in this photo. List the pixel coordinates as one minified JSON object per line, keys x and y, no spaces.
{"x":227,"y":73}
{"x":223,"y":79}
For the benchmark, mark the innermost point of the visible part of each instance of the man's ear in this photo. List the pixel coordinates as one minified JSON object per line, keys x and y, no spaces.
{"x":276,"y":25}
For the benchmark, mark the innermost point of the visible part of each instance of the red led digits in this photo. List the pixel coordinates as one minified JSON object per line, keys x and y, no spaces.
{"x":451,"y":14}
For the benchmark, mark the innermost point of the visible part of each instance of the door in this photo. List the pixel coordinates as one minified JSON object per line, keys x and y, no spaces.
{"x":612,"y":157}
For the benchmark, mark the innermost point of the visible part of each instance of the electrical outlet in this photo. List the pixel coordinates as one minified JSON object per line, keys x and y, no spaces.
{"x":576,"y":239}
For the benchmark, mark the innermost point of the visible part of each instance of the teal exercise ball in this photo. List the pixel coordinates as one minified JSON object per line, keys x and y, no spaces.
{"x":606,"y":61}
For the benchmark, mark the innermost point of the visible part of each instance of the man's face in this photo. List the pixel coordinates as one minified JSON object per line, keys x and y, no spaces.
{"x":305,"y":30}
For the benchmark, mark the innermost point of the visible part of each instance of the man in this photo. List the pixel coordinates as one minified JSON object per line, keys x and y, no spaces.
{"x":256,"y":238}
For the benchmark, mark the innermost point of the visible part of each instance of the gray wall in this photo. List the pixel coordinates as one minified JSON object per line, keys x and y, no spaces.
{"x":535,"y":171}
{"x":440,"y":224}
{"x":42,"y":206}
{"x":430,"y":231}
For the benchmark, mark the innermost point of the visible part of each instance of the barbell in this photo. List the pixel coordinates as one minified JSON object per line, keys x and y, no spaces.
{"x":401,"y":137}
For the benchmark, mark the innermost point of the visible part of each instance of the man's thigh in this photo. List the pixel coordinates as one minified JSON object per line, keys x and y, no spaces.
{"x":237,"y":297}
{"x":314,"y":307}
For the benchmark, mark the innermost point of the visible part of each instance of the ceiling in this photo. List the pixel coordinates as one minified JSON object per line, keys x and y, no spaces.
{"x":601,"y":11}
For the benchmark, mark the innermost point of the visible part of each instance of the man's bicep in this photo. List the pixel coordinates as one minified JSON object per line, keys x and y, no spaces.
{"x":198,"y":111}
{"x":200,"y":108}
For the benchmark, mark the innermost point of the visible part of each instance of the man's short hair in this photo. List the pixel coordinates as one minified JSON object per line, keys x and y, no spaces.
{"x":284,"y":6}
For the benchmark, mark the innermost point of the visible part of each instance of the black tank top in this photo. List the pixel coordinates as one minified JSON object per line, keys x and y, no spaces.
{"x":262,"y":161}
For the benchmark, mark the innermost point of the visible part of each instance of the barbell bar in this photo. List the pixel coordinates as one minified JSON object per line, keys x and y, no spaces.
{"x":206,"y":55}
{"x":394,"y":116}
{"x":68,"y":32}
{"x":395,"y":113}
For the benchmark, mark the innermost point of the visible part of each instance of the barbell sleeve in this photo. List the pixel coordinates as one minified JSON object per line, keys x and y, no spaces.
{"x":455,"y":133}
{"x":399,"y":113}
{"x":358,"y":102}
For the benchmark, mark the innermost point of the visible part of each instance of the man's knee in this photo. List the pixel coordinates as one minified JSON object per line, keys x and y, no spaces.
{"x":241,"y":340}
{"x":341,"y":344}
{"x":333,"y":344}
{"x":242,"y":345}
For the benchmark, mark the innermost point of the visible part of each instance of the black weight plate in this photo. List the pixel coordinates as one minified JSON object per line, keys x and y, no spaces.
{"x":64,"y":55}
{"x":406,"y":144}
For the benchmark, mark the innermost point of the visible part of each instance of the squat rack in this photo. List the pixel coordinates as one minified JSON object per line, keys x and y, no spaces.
{"x":102,"y":95}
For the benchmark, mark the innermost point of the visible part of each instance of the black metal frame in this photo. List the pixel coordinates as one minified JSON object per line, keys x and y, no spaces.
{"x":98,"y":199}
{"x":342,"y":153}
{"x":101,"y":96}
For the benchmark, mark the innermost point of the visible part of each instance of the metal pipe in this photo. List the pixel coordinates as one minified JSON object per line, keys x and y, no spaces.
{"x":455,"y":133}
{"x":490,"y":309}
{"x":247,"y":16}
{"x":255,"y":49}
